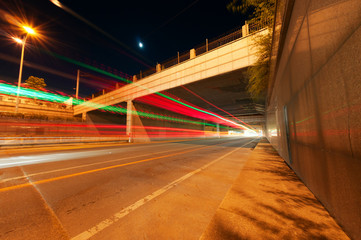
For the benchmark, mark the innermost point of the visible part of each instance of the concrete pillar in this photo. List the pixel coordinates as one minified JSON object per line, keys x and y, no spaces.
{"x":245,"y":29}
{"x":83,"y":116}
{"x":192,"y":53}
{"x":129,"y":120}
{"x":135,"y":78}
{"x":158,"y":68}
{"x":218,"y":133}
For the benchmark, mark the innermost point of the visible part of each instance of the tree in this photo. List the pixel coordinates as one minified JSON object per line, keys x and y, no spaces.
{"x":35,"y":82}
{"x":258,"y":74}
{"x":260,"y":11}
{"x":256,"y":10}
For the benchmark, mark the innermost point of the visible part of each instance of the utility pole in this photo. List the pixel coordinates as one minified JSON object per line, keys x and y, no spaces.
{"x":20,"y":73}
{"x":77,"y":84}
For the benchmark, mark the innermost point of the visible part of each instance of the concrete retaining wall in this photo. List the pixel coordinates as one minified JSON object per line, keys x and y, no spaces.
{"x":314,"y":103}
{"x":17,"y":132}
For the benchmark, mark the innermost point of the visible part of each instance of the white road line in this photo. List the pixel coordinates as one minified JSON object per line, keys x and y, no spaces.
{"x":125,"y":211}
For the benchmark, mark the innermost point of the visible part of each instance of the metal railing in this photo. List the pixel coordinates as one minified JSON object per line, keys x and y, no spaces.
{"x":221,"y":40}
{"x":259,"y":24}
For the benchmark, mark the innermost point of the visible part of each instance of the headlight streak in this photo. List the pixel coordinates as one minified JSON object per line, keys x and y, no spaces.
{"x":30,"y":93}
{"x":215,"y":106}
{"x":97,"y":128}
{"x":27,"y":133}
{"x":114,"y":151}
{"x":169,"y":105}
{"x":53,"y":157}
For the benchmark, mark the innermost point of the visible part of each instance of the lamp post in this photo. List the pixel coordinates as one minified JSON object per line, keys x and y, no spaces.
{"x":23,"y":42}
{"x":77,"y":84}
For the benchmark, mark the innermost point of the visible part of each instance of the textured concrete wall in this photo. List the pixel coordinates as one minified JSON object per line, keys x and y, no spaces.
{"x":316,"y":95}
{"x":15,"y":131}
{"x":38,"y":110}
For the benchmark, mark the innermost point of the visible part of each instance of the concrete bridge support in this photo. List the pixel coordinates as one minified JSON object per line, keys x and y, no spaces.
{"x":83,"y":116}
{"x":129,"y":120}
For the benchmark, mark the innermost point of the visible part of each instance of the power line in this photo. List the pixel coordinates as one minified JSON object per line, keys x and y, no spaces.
{"x":172,"y":18}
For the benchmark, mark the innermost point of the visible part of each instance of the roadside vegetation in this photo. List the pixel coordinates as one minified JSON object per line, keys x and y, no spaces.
{"x":35,"y":83}
{"x":258,"y":74}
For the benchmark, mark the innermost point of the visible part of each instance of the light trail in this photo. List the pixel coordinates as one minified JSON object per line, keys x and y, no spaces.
{"x":112,"y":151}
{"x":215,"y":106}
{"x":30,"y":93}
{"x":84,"y":132}
{"x":167,"y":104}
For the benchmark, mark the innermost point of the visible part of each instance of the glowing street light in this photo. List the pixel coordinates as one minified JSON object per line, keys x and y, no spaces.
{"x":18,"y":40}
{"x":57,"y":3}
{"x":30,"y":31}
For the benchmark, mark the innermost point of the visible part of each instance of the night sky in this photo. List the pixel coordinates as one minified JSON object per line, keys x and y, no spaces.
{"x":164,"y":27}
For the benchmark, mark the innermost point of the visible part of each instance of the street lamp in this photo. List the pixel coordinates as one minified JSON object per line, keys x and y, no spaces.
{"x":28,"y":30}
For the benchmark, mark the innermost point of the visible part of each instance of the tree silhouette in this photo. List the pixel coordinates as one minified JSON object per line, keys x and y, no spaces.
{"x":35,"y":83}
{"x":260,"y":12}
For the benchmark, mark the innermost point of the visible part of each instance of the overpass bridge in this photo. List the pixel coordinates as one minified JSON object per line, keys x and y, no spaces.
{"x":232,"y":56}
{"x":233,"y":53}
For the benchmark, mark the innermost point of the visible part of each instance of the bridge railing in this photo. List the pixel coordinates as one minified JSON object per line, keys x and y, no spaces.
{"x":199,"y":49}
{"x":221,"y":40}
{"x":259,"y":24}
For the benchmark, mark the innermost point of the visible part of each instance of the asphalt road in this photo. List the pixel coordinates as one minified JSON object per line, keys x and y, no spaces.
{"x":166,"y":190}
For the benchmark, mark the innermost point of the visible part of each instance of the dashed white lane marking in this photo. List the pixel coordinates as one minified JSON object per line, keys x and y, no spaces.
{"x":117,"y":216}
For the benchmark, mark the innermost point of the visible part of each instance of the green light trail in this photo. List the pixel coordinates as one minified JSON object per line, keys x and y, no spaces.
{"x":36,"y":94}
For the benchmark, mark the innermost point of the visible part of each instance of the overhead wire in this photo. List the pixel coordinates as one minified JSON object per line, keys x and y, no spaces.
{"x":172,"y":18}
